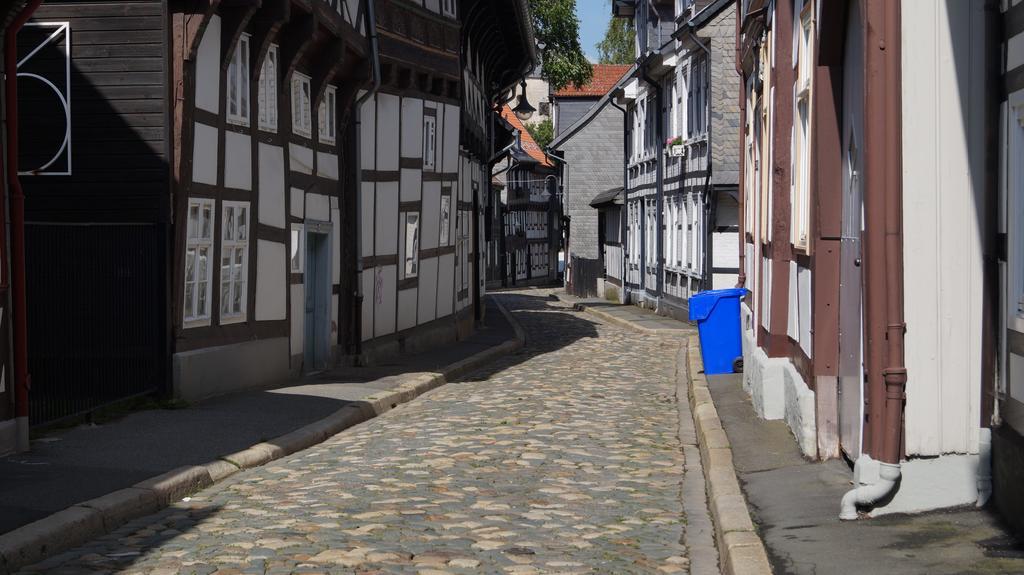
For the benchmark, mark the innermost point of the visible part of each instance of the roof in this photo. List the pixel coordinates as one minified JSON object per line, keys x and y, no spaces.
{"x":613,"y":195}
{"x":574,"y":129}
{"x":605,"y":78}
{"x":529,"y":144}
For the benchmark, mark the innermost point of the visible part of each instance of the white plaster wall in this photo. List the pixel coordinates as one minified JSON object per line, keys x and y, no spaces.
{"x":204,"y":154}
{"x":298,"y":203}
{"x":318,"y":207}
{"x":445,"y":293}
{"x":300,"y":159}
{"x":429,"y":223}
{"x":237,"y":161}
{"x":428,"y":290}
{"x":934,"y":483}
{"x":298,"y":317}
{"x":334,"y":319}
{"x":793,"y":321}
{"x":335,"y":246}
{"x":327,"y":165}
{"x":366,"y":279}
{"x":432,"y":5}
{"x":412,"y":128}
{"x":384,"y":308}
{"x":271,"y":196}
{"x":271,"y":281}
{"x":208,"y":68}
{"x":411,"y":184}
{"x":368,"y":130}
{"x":366,"y":209}
{"x":386,"y":241}
{"x":387,"y":129}
{"x":803,"y":278}
{"x":943,"y":94}
{"x":407,"y":300}
{"x":451,"y":138}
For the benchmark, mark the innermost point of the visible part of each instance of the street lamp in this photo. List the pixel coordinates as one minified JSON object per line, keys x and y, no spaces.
{"x":524,"y":111}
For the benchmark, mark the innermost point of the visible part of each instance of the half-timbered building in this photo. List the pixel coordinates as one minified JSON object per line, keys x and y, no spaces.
{"x":225,"y":194}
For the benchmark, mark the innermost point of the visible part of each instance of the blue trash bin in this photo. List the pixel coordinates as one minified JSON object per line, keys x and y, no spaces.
{"x":717,"y":313}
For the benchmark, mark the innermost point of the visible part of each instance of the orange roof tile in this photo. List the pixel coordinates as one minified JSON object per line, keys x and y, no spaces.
{"x":605,"y":78}
{"x":529,"y":144}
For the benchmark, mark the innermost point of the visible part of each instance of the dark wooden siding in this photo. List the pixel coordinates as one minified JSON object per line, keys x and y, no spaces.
{"x":118,"y":110}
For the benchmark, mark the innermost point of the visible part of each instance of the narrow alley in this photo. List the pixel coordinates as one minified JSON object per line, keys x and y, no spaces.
{"x":565,"y":457}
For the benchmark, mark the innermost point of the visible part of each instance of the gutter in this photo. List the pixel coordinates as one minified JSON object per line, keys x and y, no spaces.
{"x":371,"y":26}
{"x":22,"y":379}
{"x":741,"y":278}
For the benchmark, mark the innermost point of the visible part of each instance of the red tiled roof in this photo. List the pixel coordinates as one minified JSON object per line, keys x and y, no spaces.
{"x":529,"y":144}
{"x":605,"y":77}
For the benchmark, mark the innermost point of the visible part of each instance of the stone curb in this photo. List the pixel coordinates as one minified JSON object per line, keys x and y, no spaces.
{"x":615,"y":319}
{"x":739,"y":546}
{"x":94,"y":518}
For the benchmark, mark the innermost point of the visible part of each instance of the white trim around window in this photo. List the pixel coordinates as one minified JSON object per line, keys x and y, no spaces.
{"x":326,"y":114}
{"x":1015,"y":211}
{"x":198,"y":273}
{"x":238,"y":84}
{"x":234,"y":261}
{"x":302,"y":122}
{"x":268,"y":90}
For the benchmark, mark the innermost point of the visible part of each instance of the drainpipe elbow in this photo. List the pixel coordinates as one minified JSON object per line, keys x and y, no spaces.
{"x":868,"y":495}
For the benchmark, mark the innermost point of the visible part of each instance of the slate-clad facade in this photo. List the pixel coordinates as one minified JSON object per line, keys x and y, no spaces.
{"x":249,"y":191}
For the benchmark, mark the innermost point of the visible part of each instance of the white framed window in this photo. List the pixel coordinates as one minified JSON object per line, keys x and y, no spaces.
{"x":800,"y":188}
{"x":697,"y":98}
{"x":448,"y":8}
{"x":267,"y":103}
{"x":1014,"y":161}
{"x":429,"y":142}
{"x":446,"y":217}
{"x":234,"y":261}
{"x":238,"y":84}
{"x":302,"y":123}
{"x":297,"y":249}
{"x":410,"y":244}
{"x":198,"y":262}
{"x":326,"y":116}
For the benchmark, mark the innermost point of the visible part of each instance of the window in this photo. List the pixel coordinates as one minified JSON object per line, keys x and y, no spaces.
{"x":238,"y":83}
{"x":800,"y":188}
{"x":429,"y":142}
{"x":297,"y":249}
{"x":198,"y":260}
{"x":268,"y":91}
{"x":411,"y":245}
{"x":302,"y":123}
{"x":328,"y":126}
{"x":234,"y":257}
{"x":448,"y":8}
{"x":446,"y":216}
{"x":650,"y":117}
{"x":696,"y":98}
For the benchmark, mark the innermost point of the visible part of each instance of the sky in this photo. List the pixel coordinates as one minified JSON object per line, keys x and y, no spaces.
{"x":594,"y":16}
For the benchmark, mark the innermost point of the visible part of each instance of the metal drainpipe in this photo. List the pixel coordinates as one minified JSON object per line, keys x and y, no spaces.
{"x":624,"y":210}
{"x":22,"y":379}
{"x":741,"y":278}
{"x":371,"y":27}
{"x":659,"y":186}
{"x":710,"y":202}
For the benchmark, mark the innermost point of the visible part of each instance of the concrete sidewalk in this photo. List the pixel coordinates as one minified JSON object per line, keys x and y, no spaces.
{"x":795,"y":505}
{"x":67,"y":467}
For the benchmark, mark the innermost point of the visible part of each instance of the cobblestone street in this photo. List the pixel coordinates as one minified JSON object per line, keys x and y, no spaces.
{"x":563,"y":458}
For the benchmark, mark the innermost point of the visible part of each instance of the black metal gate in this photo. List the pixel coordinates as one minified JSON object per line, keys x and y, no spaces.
{"x":96,"y":316}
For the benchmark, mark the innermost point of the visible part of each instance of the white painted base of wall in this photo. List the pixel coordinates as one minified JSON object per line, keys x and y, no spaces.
{"x":777,"y":390}
{"x":926,"y":484}
{"x":214,"y":371}
{"x":9,"y":437}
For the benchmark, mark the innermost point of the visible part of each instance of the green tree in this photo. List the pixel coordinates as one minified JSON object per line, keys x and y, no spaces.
{"x":558,"y":30}
{"x":542,"y":132}
{"x":618,"y":46}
